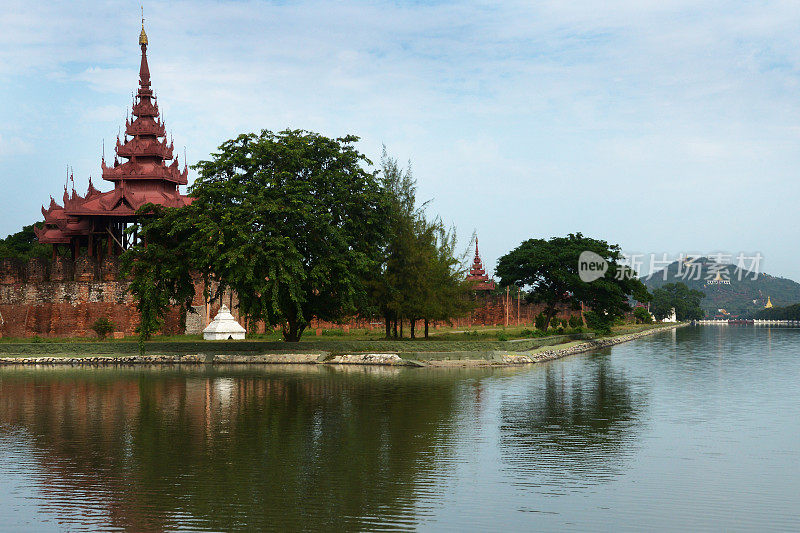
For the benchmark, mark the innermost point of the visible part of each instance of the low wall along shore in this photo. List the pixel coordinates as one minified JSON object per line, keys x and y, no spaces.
{"x":64,"y":297}
{"x":417,"y":359}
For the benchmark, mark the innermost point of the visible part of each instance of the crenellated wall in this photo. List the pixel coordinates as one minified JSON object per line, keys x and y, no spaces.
{"x":490,"y":310}
{"x":64,"y":298}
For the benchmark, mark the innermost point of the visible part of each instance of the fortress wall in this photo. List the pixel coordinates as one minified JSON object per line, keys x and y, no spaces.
{"x":64,"y":299}
{"x":489,"y":311}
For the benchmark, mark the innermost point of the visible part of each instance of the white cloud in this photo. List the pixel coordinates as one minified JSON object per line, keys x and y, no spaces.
{"x":10,"y":146}
{"x":585,"y":104}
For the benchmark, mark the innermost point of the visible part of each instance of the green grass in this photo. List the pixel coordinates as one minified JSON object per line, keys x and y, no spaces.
{"x":473,"y":340}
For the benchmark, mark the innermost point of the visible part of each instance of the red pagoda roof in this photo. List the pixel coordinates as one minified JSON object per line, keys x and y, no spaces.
{"x":144,"y":178}
{"x":145,"y":126}
{"x":477,"y":274}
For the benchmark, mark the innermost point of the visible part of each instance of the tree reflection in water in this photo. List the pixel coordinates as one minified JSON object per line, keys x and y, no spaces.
{"x":572,"y":428}
{"x":222,"y":449}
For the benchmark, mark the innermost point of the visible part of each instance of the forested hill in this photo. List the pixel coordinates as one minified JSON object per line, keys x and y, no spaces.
{"x":746,"y":293}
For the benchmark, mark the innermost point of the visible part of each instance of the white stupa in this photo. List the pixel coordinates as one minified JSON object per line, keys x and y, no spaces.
{"x":223,"y":327}
{"x":672,"y":317}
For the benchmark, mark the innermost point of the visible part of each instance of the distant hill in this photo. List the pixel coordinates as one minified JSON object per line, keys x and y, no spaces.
{"x":739,"y":292}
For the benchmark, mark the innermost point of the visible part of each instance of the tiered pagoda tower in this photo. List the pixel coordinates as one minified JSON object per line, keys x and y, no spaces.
{"x":477,"y":274}
{"x":98,"y":220}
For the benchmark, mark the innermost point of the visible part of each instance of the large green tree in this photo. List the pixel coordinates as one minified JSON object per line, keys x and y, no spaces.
{"x":447,"y":293}
{"x":550,"y":270}
{"x":421,"y":277}
{"x":290,"y":221}
{"x":162,"y":272}
{"x":24,"y":245}
{"x":684,"y":300}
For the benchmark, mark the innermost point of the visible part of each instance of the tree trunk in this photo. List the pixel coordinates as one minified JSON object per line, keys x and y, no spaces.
{"x":412,"y":326}
{"x":401,"y":327}
{"x":292,"y":331}
{"x":426,"y":328}
{"x":551,"y":312}
{"x":395,"y":327}
{"x":388,"y":323}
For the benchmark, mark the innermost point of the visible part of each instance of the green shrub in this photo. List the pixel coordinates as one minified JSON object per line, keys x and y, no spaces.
{"x":541,"y":322}
{"x":575,"y":321}
{"x":501,"y":336}
{"x":599,"y":323}
{"x":103,"y":326}
{"x":642,"y":316}
{"x":532,"y":333}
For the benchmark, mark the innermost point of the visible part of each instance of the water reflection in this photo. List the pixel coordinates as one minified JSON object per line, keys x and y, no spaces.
{"x":690,"y":431}
{"x":228,"y":449}
{"x":572,"y":427}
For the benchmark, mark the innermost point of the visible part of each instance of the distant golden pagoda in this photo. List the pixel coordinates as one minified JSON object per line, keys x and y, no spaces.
{"x":718,"y":280}
{"x":769,"y":303}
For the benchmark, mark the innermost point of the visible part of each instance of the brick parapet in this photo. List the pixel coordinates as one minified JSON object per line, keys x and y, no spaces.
{"x":64,"y":298}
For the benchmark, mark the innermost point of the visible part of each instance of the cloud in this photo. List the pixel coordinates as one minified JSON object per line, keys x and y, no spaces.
{"x":108,"y":80}
{"x":10,"y":146}
{"x":578,"y":111}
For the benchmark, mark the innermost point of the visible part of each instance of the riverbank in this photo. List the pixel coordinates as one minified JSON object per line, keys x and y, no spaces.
{"x":579,"y":347}
{"x":524,"y":351}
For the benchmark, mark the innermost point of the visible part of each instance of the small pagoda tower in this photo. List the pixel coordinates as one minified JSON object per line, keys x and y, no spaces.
{"x":477,"y":274}
{"x":98,"y":220}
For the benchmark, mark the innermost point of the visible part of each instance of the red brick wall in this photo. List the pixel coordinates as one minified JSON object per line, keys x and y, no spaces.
{"x":490,"y":310}
{"x":64,"y":299}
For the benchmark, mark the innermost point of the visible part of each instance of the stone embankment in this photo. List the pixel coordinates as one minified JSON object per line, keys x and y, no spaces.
{"x":556,"y":352}
{"x":279,"y":358}
{"x":390,"y":359}
{"x":387,"y":359}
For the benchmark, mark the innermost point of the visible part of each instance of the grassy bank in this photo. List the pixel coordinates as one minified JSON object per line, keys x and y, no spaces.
{"x":442,"y":342}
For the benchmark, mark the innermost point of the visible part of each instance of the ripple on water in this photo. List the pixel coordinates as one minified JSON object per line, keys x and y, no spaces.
{"x":692,"y":431}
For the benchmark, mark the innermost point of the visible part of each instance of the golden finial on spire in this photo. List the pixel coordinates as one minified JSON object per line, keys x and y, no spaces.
{"x":143,"y":35}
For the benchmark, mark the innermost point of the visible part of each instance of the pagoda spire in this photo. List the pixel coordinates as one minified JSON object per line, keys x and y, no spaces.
{"x":477,"y":263}
{"x":144,"y":69}
{"x":143,"y":178}
{"x":477,"y":273}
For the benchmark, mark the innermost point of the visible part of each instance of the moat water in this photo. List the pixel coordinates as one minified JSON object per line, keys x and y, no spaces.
{"x":695,"y":429}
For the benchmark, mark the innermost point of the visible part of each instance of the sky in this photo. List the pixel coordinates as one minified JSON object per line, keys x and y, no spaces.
{"x":667,"y":127}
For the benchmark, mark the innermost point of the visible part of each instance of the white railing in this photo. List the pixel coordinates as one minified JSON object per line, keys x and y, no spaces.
{"x":724,"y":322}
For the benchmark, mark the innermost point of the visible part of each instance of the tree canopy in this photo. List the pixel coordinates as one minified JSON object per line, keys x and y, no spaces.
{"x":550,"y":270}
{"x":642,"y":316}
{"x":290,"y":221}
{"x":791,"y":312}
{"x":422,"y":278}
{"x":686,"y":302}
{"x":23,"y":245}
{"x":161,"y":271}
